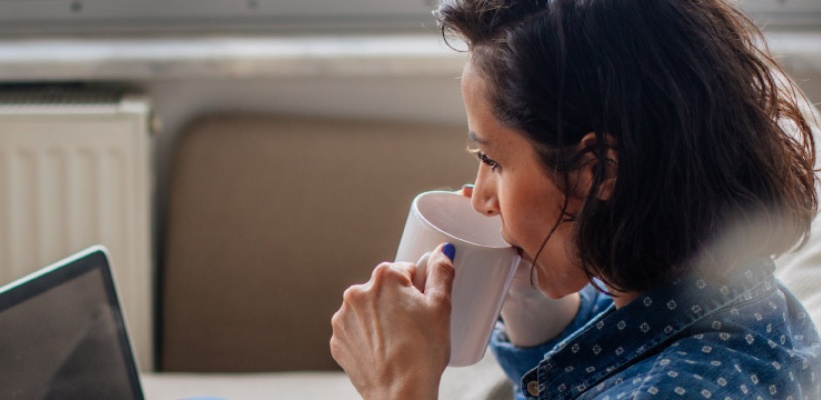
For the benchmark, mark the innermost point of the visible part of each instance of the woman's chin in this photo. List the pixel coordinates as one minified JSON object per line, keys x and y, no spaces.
{"x":554,"y":292}
{"x":551,"y":295}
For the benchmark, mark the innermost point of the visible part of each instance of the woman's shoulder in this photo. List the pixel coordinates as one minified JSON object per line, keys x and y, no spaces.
{"x":705,"y":368}
{"x":761,"y":347}
{"x":757,"y":342}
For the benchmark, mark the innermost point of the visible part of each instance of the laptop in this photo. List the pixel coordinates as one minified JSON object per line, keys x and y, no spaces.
{"x":62,"y":334}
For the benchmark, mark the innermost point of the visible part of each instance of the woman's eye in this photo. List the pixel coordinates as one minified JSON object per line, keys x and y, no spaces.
{"x":485,"y":159}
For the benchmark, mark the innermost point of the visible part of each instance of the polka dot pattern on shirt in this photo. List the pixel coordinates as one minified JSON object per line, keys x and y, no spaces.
{"x":746,"y":338}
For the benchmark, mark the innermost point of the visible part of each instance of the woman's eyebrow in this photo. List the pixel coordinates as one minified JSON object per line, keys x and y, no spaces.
{"x":476,"y":139}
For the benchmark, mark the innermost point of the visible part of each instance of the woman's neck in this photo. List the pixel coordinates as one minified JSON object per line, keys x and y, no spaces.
{"x":621,"y":299}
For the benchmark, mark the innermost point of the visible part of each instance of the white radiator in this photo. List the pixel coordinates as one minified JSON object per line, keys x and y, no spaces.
{"x":74,"y":171}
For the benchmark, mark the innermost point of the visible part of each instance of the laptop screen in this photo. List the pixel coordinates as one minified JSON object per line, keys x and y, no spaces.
{"x":62,"y":335}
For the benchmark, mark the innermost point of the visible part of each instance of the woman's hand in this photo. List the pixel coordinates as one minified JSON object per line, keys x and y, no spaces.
{"x":392,"y":339}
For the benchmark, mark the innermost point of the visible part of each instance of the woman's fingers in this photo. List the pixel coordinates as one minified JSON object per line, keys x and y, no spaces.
{"x":388,"y":333}
{"x":421,"y":272}
{"x":440,"y":274}
{"x":467,"y":190}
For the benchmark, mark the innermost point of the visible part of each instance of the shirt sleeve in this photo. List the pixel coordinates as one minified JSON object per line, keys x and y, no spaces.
{"x":517,"y":361}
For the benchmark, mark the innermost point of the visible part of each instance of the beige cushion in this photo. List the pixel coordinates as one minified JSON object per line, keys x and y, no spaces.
{"x":271,"y":218}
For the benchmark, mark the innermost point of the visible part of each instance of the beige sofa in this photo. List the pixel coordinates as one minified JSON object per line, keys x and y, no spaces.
{"x":270,"y":218}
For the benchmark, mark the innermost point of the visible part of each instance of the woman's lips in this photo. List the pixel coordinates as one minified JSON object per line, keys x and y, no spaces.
{"x":519,"y":250}
{"x":523,"y":255}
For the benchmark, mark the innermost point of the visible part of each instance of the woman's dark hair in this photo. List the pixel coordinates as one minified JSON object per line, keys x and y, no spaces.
{"x":711,"y":143}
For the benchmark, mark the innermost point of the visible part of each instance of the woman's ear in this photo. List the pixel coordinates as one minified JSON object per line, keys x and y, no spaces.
{"x":590,"y":163}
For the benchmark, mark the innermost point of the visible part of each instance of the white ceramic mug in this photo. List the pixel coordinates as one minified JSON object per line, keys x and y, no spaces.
{"x":484,"y":265}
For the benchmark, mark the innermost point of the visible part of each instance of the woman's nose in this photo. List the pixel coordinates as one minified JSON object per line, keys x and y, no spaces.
{"x":484,"y":199}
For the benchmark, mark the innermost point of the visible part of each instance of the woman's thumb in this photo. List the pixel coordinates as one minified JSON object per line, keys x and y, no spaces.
{"x":440,"y":272}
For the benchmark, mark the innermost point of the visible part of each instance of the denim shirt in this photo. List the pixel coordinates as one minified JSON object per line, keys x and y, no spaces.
{"x":746,"y":337}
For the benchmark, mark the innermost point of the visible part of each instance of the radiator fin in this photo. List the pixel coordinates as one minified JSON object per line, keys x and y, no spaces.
{"x":73,"y":179}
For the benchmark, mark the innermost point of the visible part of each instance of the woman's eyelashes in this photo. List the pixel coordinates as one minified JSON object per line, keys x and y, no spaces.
{"x":472,"y":148}
{"x":486,"y":160}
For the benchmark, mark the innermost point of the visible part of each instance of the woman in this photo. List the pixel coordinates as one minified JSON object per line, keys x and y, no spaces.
{"x":636,"y":152}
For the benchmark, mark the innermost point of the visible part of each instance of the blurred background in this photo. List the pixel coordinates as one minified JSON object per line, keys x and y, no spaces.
{"x":243,"y":160}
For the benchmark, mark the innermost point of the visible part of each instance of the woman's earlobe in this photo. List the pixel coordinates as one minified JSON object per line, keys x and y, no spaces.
{"x":608,"y":184}
{"x":610,"y":163}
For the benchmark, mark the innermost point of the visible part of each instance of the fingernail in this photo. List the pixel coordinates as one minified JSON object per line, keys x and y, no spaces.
{"x":467,"y":186}
{"x":449,"y":250}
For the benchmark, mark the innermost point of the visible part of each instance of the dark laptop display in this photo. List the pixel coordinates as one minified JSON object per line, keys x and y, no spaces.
{"x":62,"y":334}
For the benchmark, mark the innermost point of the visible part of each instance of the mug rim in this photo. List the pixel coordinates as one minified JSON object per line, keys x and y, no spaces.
{"x":415,"y":208}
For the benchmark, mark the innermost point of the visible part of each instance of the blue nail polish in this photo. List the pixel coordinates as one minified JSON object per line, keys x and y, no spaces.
{"x":449,"y":250}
